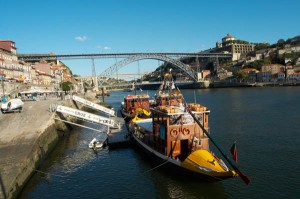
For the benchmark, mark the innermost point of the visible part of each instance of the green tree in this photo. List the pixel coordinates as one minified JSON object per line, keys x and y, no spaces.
{"x":242,"y":74}
{"x":267,"y":60}
{"x":67,"y":86}
{"x":261,"y":46}
{"x":280,"y":43}
{"x":256,"y":64}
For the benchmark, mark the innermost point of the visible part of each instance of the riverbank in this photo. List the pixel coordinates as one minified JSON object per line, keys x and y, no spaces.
{"x":224,"y":84}
{"x":26,"y":139}
{"x":215,"y":84}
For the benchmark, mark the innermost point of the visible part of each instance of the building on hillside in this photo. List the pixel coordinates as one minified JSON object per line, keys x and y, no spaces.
{"x":297,"y":68}
{"x":288,"y":49}
{"x":6,"y":65}
{"x":66,"y":77}
{"x":280,"y":76}
{"x":223,"y":74}
{"x":252,"y":74}
{"x":295,"y":49}
{"x":298,"y":62}
{"x":289,"y":73}
{"x":264,"y":76}
{"x":34,"y":77}
{"x":43,"y":78}
{"x":26,"y":76}
{"x":43,"y":74}
{"x":10,"y":66}
{"x":295,"y":76}
{"x":8,"y":46}
{"x":229,"y":44}
{"x":228,"y":38}
{"x":13,"y":69}
{"x":273,"y":68}
{"x":204,"y":74}
{"x":57,"y":74}
{"x":44,"y":67}
{"x":281,"y":52}
{"x":8,"y":59}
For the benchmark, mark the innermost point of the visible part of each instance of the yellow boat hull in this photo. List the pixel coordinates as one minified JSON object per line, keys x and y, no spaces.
{"x":205,"y":163}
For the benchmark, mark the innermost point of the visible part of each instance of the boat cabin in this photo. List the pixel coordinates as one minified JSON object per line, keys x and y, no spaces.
{"x":132,"y":102}
{"x":173,"y":99}
{"x":173,"y":132}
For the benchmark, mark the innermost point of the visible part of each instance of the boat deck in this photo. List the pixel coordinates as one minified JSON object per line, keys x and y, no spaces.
{"x":179,"y":110}
{"x":146,"y":124}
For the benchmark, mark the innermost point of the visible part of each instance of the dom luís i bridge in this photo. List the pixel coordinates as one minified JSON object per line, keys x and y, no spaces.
{"x":124,"y":59}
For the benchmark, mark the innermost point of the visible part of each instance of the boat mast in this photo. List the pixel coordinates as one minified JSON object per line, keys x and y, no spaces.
{"x":170,"y":86}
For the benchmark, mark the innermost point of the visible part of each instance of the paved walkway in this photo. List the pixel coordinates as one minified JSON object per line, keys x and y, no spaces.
{"x":18,"y":133}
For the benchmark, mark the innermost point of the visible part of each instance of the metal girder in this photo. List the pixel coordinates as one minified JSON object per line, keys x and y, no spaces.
{"x":38,"y":57}
{"x":176,"y":62}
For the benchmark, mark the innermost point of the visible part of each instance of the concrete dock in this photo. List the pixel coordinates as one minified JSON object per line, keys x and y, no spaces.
{"x":25,"y":140}
{"x":119,"y":137}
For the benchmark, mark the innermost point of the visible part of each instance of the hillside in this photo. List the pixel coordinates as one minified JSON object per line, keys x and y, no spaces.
{"x":283,"y":52}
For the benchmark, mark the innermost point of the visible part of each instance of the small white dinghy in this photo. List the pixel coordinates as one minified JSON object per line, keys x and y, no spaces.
{"x":98,"y":142}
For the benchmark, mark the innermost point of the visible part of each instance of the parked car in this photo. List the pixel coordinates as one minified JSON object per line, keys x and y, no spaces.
{"x":13,"y":105}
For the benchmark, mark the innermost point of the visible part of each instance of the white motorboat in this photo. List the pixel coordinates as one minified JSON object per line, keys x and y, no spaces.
{"x":98,"y":142}
{"x":95,"y":144}
{"x":13,"y":105}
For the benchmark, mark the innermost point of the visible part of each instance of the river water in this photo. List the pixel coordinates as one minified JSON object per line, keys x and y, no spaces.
{"x":264,"y":122}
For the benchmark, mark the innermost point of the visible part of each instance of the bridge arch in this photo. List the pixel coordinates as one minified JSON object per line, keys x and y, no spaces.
{"x":176,"y":62}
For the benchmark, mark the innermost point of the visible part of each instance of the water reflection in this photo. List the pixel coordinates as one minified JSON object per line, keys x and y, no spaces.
{"x":78,"y":154}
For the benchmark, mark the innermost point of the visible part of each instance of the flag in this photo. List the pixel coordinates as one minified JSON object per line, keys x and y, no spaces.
{"x":234,"y":152}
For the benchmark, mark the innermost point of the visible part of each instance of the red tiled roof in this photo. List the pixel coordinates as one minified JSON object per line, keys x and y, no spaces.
{"x":43,"y":67}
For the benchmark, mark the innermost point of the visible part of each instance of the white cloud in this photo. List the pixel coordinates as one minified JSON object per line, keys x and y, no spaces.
{"x":103,"y":47}
{"x":106,"y":48}
{"x":81,"y":38}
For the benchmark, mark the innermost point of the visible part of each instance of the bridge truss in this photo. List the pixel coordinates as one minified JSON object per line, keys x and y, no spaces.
{"x":176,"y":62}
{"x":173,"y":58}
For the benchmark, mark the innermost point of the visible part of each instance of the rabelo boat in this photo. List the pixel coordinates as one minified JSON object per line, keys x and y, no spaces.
{"x":173,"y":136}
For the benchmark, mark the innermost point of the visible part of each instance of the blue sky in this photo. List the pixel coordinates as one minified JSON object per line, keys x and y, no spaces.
{"x":117,"y":26}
